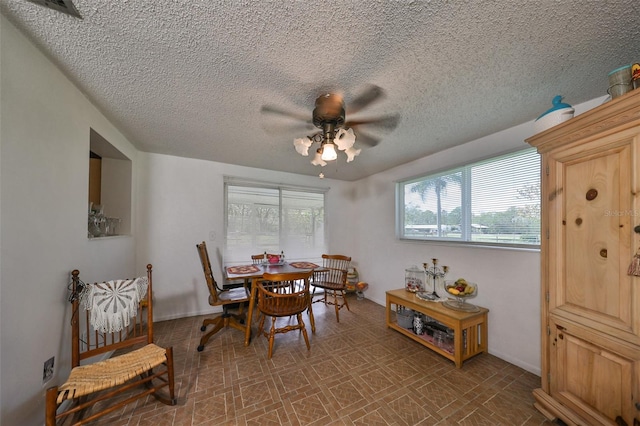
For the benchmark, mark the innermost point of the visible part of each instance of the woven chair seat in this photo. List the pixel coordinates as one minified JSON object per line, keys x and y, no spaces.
{"x":111,"y":372}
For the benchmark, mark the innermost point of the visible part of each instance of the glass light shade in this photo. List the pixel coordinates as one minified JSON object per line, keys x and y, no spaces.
{"x":345,"y":139}
{"x":317,"y":160}
{"x":351,"y":153}
{"x":302,"y":145}
{"x":329,"y":152}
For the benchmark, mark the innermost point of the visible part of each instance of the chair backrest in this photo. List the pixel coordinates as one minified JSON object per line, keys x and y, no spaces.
{"x":283,"y":294}
{"x":208,"y":274}
{"x":257,"y":259}
{"x":337,"y":266}
{"x":86,"y":340}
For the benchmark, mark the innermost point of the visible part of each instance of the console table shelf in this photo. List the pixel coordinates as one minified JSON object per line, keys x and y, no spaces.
{"x":470,"y":328}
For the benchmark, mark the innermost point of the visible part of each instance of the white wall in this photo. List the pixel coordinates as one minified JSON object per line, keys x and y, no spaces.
{"x":44,"y":169}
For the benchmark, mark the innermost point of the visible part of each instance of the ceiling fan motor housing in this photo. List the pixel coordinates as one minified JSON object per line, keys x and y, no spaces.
{"x":329,"y":109}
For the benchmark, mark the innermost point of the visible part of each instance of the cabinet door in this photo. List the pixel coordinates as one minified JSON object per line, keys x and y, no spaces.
{"x":594,"y":377}
{"x":593,"y":306}
{"x":592,"y":218}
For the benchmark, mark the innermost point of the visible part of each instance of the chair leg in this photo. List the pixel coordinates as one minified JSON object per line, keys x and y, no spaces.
{"x":51,"y":406}
{"x":218,"y":324}
{"x":312,"y":320}
{"x":304,"y":331}
{"x":336,"y":305}
{"x":261,"y":325}
{"x":160,"y":396}
{"x":170,"y":376}
{"x":272,"y":334}
{"x":344,"y":297}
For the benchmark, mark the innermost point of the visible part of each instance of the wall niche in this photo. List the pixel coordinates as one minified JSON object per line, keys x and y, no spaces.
{"x":109,"y":192}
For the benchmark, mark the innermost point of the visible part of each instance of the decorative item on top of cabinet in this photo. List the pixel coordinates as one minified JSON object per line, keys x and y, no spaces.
{"x":590,"y":324}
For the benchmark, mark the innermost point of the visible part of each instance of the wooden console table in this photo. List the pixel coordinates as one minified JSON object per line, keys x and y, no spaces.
{"x":470,"y":328}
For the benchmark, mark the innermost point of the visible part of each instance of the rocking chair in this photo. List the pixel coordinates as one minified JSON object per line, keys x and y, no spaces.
{"x":119,"y":328}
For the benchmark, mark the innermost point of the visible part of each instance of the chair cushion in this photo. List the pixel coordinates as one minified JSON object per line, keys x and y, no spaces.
{"x":111,"y":372}
{"x":233,"y":295}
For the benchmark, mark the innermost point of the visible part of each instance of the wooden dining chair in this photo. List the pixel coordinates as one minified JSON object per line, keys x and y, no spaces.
{"x":227,"y":298}
{"x":258,"y":259}
{"x":283,"y":295}
{"x":332,"y":278}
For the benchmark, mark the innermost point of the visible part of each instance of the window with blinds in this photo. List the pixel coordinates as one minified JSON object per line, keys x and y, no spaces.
{"x":495,"y":201}
{"x":262,"y":218}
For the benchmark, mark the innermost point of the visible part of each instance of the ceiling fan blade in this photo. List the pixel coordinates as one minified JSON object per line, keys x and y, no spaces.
{"x":269,"y":109}
{"x":280,"y":129}
{"x":365,"y":139}
{"x":370,"y":95}
{"x":388,"y":122}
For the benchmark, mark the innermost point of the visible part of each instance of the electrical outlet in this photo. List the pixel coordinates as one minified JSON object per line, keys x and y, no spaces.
{"x":47,"y":371}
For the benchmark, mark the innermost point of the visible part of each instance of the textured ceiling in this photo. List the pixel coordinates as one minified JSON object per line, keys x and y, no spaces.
{"x":189,"y":78}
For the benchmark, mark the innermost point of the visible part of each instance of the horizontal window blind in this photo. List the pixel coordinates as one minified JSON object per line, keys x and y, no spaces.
{"x":496,"y":201}
{"x":262,"y":218}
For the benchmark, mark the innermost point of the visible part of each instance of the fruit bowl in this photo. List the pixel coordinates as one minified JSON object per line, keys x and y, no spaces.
{"x":459,"y":291}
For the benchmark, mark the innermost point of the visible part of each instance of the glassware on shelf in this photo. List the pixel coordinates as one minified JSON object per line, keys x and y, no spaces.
{"x":413,"y":279}
{"x":98,"y":224}
{"x":438,"y":338}
{"x":448,"y":342}
{"x":93,"y":226}
{"x":112,"y":224}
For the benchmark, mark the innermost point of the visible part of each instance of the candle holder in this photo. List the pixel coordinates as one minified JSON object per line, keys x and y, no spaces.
{"x":434,"y":273}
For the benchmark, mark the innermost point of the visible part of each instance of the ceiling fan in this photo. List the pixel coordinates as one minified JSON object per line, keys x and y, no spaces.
{"x":329,"y":115}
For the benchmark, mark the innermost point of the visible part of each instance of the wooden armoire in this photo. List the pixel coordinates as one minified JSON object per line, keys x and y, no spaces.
{"x":590,"y":304}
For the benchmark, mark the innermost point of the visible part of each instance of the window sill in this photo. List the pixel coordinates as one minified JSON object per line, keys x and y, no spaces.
{"x":108,"y":237}
{"x":471,"y":244}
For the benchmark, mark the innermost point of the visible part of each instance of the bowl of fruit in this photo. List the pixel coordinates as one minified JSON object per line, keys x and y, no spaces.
{"x":459,"y":291}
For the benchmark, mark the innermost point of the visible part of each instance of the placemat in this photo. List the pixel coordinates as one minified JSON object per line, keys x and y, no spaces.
{"x":304,"y":265}
{"x":243,"y":269}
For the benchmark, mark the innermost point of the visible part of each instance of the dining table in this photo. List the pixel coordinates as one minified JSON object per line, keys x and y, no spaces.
{"x":249,"y":272}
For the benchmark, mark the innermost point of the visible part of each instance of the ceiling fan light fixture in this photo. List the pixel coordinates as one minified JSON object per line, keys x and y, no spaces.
{"x":335,"y":133}
{"x":329,"y":152}
{"x":345,"y":139}
{"x":352,"y":153}
{"x":302,"y":145}
{"x":317,"y":160}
